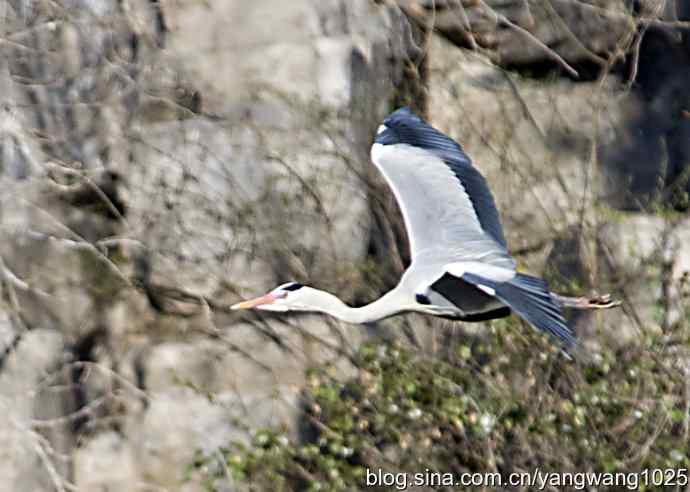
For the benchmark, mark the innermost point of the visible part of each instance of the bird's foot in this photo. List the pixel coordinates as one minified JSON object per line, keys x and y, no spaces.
{"x":603,"y":301}
{"x":597,"y":302}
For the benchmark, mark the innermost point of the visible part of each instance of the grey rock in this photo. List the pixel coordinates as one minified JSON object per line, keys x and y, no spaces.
{"x":176,"y":424}
{"x":105,"y":462}
{"x":171,"y":364}
{"x":632,"y":248}
{"x":577,"y":31}
{"x":25,"y":399}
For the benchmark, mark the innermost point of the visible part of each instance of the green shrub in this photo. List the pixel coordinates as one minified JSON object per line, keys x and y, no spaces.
{"x":506,"y":402}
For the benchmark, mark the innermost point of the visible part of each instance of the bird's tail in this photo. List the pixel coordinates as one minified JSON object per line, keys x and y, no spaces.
{"x":531,"y":299}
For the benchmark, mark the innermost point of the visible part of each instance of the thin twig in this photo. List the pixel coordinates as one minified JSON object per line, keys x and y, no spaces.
{"x":534,"y":40}
{"x":569,"y":33}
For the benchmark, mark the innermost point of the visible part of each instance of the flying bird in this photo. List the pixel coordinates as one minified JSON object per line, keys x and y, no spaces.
{"x":461,"y":268}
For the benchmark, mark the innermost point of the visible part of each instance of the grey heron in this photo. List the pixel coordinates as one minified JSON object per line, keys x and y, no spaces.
{"x":461,"y":268}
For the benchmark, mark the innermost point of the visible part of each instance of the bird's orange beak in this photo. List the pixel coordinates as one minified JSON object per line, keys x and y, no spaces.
{"x":254,"y":303}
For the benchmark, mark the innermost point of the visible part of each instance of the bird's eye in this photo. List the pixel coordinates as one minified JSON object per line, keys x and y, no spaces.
{"x":292,"y":286}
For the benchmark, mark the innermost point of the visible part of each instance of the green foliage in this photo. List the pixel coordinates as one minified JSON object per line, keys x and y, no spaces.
{"x":506,"y":402}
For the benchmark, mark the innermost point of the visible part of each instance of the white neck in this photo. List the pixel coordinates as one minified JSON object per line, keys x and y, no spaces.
{"x":391,"y":303}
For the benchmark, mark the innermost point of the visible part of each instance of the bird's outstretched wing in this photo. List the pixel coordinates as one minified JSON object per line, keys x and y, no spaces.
{"x":444,"y":200}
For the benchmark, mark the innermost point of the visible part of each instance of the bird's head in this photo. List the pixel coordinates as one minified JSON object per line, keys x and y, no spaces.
{"x":290,"y":296}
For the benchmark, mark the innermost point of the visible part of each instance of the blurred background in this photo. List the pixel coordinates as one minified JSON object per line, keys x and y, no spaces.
{"x":161,"y":160}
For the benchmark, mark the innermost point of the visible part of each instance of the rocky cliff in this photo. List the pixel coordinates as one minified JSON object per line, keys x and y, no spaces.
{"x":160,"y":161}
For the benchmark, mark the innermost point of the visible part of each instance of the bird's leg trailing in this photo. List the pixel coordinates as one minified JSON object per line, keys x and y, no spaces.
{"x":597,"y":302}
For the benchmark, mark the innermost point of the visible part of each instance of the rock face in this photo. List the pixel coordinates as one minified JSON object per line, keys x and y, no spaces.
{"x":27,"y":401}
{"x":647,"y":162}
{"x":517,"y":33}
{"x":160,"y":161}
{"x":182,"y":165}
{"x":647,"y":258}
{"x":105,"y":462}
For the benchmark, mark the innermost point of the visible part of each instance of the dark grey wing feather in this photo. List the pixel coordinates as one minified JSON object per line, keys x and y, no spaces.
{"x":412,"y":130}
{"x":462,"y":294}
{"x":481,"y":197}
{"x":498,"y":313}
{"x":530,"y":298}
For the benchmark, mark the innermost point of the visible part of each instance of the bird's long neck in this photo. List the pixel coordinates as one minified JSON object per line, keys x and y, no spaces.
{"x":389,"y":304}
